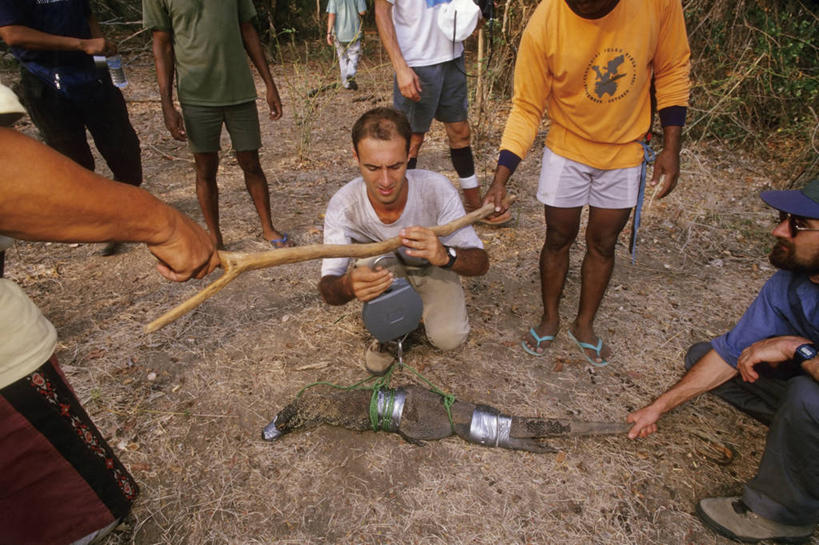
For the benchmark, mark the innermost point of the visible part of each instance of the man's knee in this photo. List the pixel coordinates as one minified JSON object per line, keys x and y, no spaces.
{"x":447,"y":337}
{"x":695,"y":353}
{"x":801,"y":401}
{"x":601,"y":244}
{"x":249,"y":162}
{"x":458,"y":134}
{"x":559,"y":240}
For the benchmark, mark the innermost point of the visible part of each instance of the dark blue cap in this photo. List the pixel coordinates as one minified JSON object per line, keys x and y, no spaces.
{"x":804,"y":202}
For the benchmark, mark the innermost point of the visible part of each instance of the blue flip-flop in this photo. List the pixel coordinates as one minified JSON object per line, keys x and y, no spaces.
{"x":597,"y":348}
{"x":279,"y":243}
{"x":539,"y":340}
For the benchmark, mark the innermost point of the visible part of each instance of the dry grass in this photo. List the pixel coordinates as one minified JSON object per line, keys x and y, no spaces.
{"x":191,"y":436}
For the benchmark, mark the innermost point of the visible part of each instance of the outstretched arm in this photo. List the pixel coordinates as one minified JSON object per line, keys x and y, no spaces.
{"x":708,"y":373}
{"x":254,"y":49}
{"x":46,"y":196}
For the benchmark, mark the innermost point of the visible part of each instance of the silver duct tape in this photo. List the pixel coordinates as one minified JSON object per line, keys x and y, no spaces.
{"x":489,"y":428}
{"x":271,"y":432}
{"x":504,"y":430}
{"x":400,"y":398}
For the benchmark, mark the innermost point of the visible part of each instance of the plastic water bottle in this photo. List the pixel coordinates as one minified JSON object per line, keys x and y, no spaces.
{"x":117,"y":72}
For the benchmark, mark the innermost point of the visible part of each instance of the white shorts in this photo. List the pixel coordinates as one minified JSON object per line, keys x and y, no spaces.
{"x":567,"y":184}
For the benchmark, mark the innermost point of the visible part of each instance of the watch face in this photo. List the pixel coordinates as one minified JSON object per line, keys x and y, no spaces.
{"x":451,"y":251}
{"x":806,"y":352}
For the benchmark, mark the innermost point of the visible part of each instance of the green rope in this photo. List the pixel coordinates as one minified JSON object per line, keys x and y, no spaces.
{"x":383,"y":383}
{"x":448,"y":399}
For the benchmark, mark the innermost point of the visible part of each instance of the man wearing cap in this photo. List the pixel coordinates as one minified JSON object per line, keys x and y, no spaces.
{"x":64,"y":92}
{"x":430,"y":82}
{"x":767,"y":366}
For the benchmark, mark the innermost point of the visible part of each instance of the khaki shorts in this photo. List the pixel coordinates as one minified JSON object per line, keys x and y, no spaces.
{"x":568,"y":184}
{"x":203,"y":124}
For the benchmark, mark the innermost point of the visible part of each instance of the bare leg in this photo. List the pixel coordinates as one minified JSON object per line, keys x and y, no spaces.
{"x":256,"y":184}
{"x":562,"y":225}
{"x":207,"y":164}
{"x":416,"y":139}
{"x":604,"y":227}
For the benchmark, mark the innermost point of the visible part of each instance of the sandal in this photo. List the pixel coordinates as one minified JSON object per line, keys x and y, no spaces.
{"x":539,"y":340}
{"x":597,"y":348}
{"x":279,"y":243}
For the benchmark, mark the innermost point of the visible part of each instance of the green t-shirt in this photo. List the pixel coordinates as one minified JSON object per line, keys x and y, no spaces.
{"x":211,"y":62}
{"x":348,"y":22}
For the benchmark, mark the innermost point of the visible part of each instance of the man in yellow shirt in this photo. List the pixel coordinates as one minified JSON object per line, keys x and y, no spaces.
{"x":591,"y":64}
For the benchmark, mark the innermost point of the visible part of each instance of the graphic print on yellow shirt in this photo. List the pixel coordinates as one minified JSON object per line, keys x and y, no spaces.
{"x":610,"y":76}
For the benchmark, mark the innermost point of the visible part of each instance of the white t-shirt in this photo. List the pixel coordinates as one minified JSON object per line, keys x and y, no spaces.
{"x":27,"y":338}
{"x":421,"y":41}
{"x":431,"y":201}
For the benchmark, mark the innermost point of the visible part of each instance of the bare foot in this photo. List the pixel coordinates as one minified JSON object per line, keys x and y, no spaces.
{"x":545,"y":337}
{"x":586,"y":335}
{"x":279,"y":240}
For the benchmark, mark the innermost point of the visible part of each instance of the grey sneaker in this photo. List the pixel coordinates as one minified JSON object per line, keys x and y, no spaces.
{"x":378,"y":358}
{"x":732,"y":518}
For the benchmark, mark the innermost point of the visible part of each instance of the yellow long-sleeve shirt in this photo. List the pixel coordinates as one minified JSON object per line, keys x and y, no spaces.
{"x":593,"y":76}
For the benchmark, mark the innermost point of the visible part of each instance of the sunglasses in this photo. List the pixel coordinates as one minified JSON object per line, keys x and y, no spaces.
{"x":795,"y":223}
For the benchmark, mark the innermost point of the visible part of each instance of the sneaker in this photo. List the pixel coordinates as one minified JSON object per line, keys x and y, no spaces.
{"x":378,"y":358}
{"x":731,"y":518}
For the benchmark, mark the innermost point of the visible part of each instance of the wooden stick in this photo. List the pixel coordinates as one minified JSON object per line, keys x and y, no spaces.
{"x":235,"y":263}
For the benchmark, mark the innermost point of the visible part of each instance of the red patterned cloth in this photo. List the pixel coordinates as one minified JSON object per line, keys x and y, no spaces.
{"x":59,"y":479}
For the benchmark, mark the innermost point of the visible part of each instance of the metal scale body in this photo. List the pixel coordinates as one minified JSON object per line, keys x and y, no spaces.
{"x":397,"y":312}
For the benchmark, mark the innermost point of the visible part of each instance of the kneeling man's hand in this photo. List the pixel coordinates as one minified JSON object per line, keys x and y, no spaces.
{"x":422,"y":242}
{"x":368,"y":284}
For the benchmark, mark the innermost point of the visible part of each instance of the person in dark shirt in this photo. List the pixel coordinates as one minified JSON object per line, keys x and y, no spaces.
{"x":62,"y":89}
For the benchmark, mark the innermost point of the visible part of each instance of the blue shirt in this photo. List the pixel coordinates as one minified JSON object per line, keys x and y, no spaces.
{"x":788,"y":304}
{"x":62,"y":69}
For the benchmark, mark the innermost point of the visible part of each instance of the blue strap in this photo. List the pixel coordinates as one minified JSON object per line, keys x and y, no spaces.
{"x":648,"y":157}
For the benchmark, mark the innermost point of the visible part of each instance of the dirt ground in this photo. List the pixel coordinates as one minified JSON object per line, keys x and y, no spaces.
{"x":184,"y":407}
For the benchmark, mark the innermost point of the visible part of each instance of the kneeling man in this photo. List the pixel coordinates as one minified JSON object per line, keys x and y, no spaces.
{"x":387,"y":201}
{"x":767,"y":366}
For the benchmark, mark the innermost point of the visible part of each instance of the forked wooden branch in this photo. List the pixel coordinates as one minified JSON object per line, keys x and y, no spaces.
{"x":235,"y":263}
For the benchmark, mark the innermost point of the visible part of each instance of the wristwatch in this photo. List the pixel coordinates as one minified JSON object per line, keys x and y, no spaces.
{"x":453,"y":255}
{"x":804,"y":353}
